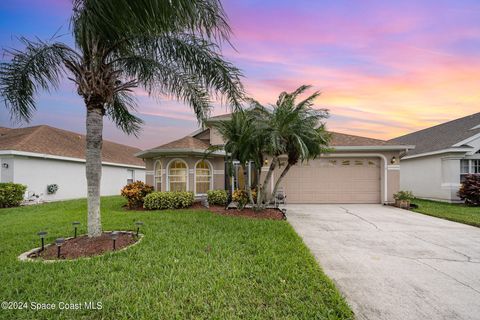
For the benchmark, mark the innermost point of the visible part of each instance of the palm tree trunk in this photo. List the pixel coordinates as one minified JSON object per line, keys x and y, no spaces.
{"x":94,"y":168}
{"x":266,"y":181}
{"x":283,"y":174}
{"x":248,"y":184}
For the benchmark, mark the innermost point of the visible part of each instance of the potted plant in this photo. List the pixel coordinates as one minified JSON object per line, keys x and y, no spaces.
{"x":403,"y":199}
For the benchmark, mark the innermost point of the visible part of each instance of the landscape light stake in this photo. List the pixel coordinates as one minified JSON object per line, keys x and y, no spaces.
{"x":114,"y":236}
{"x":75,"y":224}
{"x":59,"y":242}
{"x":138,"y":224}
{"x":42,"y":235}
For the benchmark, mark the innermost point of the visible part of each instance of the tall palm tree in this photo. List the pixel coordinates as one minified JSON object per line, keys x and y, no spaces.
{"x":293,"y":129}
{"x":166,"y":47}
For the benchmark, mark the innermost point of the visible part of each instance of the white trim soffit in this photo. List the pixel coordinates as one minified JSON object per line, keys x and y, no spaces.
{"x":177,"y":151}
{"x":53,"y":157}
{"x":450,"y":150}
{"x":384,"y":148}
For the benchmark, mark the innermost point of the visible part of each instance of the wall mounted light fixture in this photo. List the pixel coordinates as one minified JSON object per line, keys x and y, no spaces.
{"x":5,"y":165}
{"x":393,"y":160}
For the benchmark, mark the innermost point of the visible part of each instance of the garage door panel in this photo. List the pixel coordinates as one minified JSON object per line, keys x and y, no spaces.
{"x":335,"y":180}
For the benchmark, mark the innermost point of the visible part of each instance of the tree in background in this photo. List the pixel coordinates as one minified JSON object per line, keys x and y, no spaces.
{"x":165,"y":47}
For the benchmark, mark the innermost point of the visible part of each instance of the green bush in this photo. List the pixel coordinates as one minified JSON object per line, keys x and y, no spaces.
{"x":404,"y":195}
{"x":168,"y":200}
{"x":11,"y":194}
{"x":217,"y":197}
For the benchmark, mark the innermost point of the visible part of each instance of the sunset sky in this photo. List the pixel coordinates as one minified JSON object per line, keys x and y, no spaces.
{"x":385,"y":68}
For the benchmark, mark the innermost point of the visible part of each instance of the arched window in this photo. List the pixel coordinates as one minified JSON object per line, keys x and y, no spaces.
{"x":177,"y":176}
{"x":203,"y":177}
{"x":158,"y":176}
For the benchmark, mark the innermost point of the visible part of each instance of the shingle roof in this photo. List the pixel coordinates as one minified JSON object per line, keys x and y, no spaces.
{"x":53,"y":141}
{"x":348,"y":140}
{"x":442,"y":136}
{"x":187,"y":142}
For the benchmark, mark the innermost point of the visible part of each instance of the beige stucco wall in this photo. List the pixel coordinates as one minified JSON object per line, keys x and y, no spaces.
{"x":216,"y":162}
{"x":215,"y":137}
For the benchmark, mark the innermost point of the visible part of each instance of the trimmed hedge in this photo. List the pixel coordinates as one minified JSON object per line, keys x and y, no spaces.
{"x":11,"y":194}
{"x":217,"y":197}
{"x":168,"y":200}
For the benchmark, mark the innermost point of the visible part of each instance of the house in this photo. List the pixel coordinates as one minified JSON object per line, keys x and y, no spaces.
{"x":443,"y":155}
{"x":360,"y":170}
{"x":41,"y":155}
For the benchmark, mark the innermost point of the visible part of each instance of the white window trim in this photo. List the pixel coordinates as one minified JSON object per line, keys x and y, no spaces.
{"x":470,"y":166}
{"x":132,"y":176}
{"x":195,"y":177}
{"x":168,"y":172}
{"x":155,"y":169}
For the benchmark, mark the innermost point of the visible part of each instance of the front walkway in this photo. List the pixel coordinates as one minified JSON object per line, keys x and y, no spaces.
{"x":392,"y":263}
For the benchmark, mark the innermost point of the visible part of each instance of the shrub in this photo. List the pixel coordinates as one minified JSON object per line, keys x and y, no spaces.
{"x":404,"y":195}
{"x":470,"y":190}
{"x":168,"y":200}
{"x":135,"y":193}
{"x":219,"y":197}
{"x":11,"y":194}
{"x":241,"y":197}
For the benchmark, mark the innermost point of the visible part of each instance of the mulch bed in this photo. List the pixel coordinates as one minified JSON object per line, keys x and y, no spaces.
{"x":83,"y":246}
{"x":271,"y":214}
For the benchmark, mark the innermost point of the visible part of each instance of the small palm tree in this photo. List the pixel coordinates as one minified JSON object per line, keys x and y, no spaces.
{"x":295,"y":130}
{"x":242,"y":142}
{"x":163,"y":46}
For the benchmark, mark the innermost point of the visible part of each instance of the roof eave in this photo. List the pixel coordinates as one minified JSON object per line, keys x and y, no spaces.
{"x":64,"y":158}
{"x":436,"y":152}
{"x":183,"y":151}
{"x":374,"y":148}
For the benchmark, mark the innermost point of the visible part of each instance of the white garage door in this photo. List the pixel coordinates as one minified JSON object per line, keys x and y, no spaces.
{"x":334,"y":180}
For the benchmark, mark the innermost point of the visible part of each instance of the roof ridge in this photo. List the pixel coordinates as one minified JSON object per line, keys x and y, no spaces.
{"x":24,"y":140}
{"x":436,"y":126}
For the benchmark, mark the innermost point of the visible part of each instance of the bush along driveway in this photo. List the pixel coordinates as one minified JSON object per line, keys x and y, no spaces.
{"x":191,"y":264}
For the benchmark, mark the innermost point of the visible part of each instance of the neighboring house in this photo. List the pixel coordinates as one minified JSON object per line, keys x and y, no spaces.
{"x":443,"y":155}
{"x":41,"y":155}
{"x":361,"y":170}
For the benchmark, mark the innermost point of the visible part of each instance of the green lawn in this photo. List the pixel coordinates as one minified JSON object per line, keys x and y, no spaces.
{"x":454,"y":212}
{"x":190,"y":265}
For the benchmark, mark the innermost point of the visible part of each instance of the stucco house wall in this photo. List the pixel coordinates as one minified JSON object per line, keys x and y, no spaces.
{"x":217,"y":163}
{"x":435,"y":177}
{"x":37,"y":173}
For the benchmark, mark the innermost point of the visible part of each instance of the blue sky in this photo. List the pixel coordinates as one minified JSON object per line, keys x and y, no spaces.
{"x":385,"y":68}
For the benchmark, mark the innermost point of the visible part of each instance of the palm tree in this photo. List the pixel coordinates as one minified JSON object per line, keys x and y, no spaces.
{"x":295,"y":130}
{"x":242,"y":142}
{"x":166,"y":47}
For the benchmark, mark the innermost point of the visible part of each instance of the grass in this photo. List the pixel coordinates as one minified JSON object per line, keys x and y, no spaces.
{"x":450,"y":211}
{"x":190,"y":265}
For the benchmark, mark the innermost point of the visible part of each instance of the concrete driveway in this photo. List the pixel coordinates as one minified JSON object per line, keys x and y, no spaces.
{"x":393,"y":264}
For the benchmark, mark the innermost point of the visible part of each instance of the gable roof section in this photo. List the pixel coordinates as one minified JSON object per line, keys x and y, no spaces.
{"x":57,"y":142}
{"x":348,"y":140}
{"x":444,"y":136}
{"x":187,"y":142}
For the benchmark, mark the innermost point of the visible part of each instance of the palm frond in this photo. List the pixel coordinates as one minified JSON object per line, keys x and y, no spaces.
{"x":39,"y":66}
{"x":119,"y":111}
{"x":194,"y":56}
